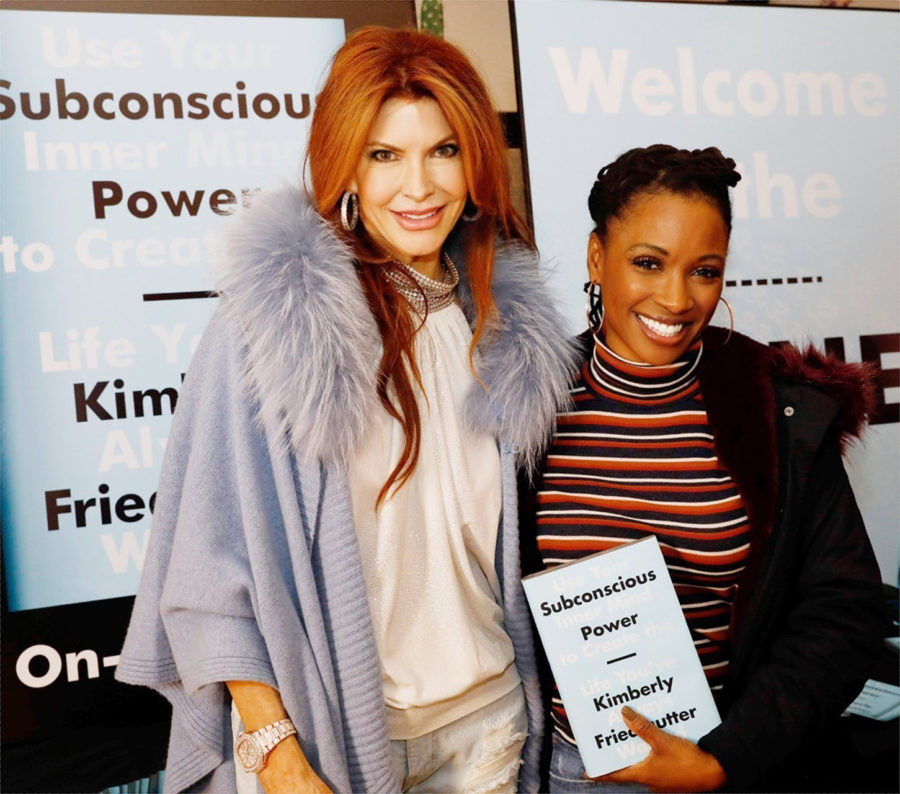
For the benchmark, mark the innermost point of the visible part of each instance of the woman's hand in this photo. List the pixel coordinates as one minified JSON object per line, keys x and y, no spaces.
{"x":287,"y":771}
{"x":674,"y":763}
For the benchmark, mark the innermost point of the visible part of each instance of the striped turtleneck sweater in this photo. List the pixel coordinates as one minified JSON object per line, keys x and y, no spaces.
{"x":636,"y":456}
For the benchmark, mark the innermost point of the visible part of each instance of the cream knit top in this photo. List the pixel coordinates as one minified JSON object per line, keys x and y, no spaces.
{"x":428,"y":553}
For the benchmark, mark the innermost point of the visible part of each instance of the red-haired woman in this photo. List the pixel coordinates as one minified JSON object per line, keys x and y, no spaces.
{"x":333,"y":573}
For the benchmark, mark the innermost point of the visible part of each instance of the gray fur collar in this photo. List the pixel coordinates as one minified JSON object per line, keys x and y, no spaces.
{"x":313,"y":348}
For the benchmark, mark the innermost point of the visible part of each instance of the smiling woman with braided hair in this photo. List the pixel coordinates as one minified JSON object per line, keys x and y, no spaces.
{"x":730,"y":453}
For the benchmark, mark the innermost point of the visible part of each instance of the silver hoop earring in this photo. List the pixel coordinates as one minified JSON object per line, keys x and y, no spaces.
{"x":594,"y":307}
{"x":730,"y":317}
{"x":349,"y":207}
{"x":472,"y":216}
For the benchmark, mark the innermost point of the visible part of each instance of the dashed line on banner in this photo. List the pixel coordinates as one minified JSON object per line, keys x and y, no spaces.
{"x":776,"y":282}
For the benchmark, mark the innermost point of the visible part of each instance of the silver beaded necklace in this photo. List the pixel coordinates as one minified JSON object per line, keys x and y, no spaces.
{"x":431,"y":295}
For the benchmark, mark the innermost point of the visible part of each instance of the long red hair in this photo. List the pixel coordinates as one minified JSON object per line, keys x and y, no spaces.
{"x":374,"y":65}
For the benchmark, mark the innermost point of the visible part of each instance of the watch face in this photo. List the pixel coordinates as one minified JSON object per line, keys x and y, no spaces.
{"x":249,"y":753}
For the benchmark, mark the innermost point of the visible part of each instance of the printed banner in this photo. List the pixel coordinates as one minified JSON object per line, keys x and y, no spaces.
{"x":127,"y":142}
{"x":805,"y":100}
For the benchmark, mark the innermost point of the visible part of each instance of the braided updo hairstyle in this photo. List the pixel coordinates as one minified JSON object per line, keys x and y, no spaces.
{"x":658,"y":168}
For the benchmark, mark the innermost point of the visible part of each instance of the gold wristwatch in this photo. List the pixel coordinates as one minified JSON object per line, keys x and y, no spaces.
{"x":252,"y":749}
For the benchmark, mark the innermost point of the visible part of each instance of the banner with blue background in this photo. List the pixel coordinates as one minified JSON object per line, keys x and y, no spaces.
{"x":127,"y":142}
{"x":805,"y":100}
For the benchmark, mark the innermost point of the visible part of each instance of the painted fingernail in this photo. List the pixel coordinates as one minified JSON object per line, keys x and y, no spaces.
{"x":628,"y":712}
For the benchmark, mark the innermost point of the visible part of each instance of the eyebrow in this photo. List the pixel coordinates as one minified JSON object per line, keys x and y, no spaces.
{"x":664,"y":252}
{"x":442,"y":142}
{"x":656,"y":248}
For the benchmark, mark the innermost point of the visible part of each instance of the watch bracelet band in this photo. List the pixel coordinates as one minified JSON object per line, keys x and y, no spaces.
{"x":271,"y":734}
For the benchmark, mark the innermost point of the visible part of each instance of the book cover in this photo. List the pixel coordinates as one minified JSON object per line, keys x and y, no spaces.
{"x":615,"y":635}
{"x":877,"y":701}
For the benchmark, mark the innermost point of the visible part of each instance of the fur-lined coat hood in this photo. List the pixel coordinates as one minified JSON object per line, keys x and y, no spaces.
{"x":851,"y":385}
{"x":312,"y":345}
{"x":748,"y":388}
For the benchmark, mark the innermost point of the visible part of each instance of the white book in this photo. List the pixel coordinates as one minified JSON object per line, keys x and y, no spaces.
{"x":615,"y":635}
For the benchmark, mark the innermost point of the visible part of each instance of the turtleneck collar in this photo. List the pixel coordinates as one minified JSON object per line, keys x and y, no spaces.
{"x":606,"y":372}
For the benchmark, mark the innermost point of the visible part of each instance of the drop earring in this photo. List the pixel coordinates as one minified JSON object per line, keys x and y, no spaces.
{"x":594,"y":307}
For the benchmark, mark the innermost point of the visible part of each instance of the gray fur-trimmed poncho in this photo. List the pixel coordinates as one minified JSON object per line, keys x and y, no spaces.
{"x":253,"y":568}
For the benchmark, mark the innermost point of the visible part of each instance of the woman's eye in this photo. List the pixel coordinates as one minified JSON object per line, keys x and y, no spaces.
{"x":447,"y":150}
{"x":709,"y":273}
{"x":646,"y":262}
{"x":381,"y":155}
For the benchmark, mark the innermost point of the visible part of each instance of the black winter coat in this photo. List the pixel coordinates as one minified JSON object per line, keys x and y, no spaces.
{"x":807,"y":623}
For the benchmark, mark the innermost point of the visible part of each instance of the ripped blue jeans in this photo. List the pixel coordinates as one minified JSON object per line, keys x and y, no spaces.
{"x":477,"y":754}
